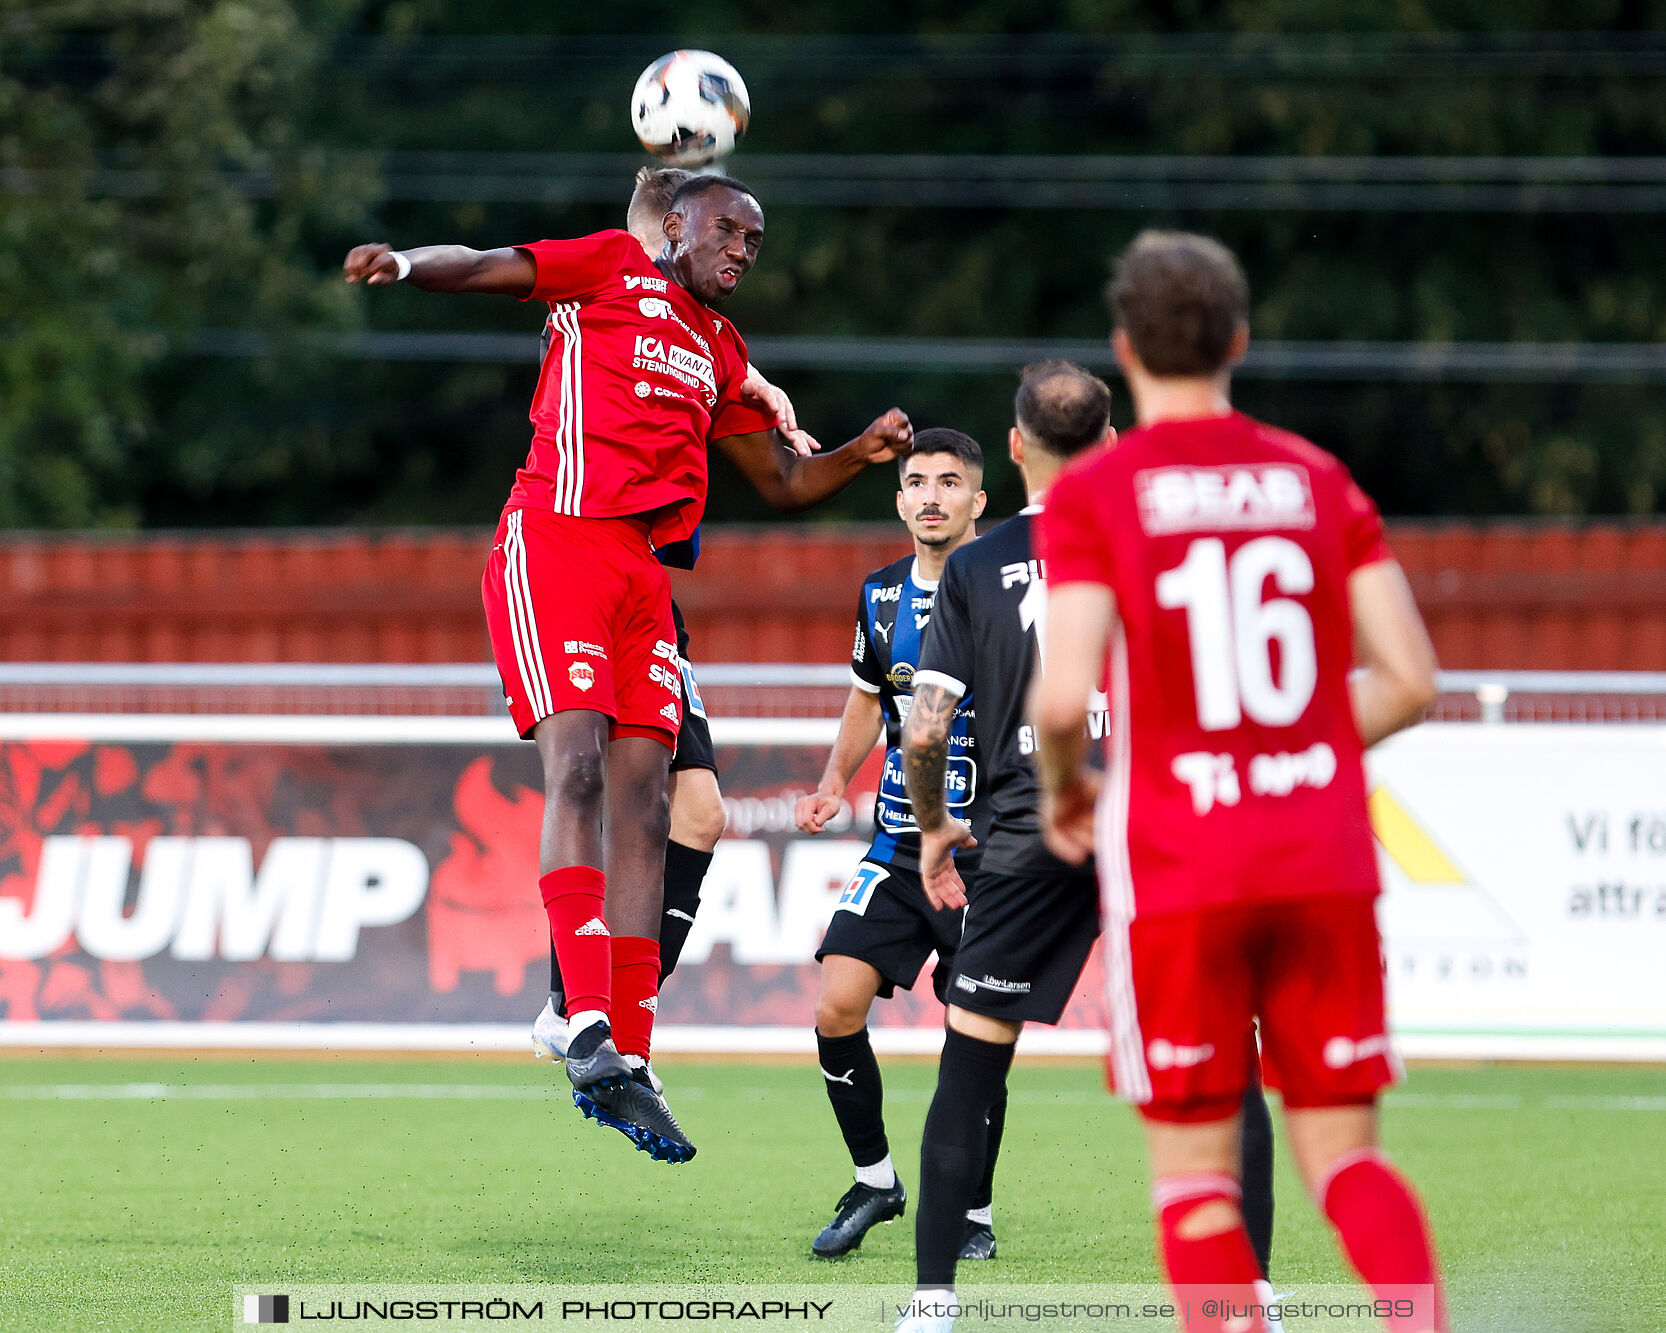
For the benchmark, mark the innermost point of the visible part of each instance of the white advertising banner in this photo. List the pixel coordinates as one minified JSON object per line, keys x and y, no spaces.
{"x":1524,"y":873}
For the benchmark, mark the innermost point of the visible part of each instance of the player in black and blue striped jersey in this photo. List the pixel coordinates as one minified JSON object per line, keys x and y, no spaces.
{"x":884,"y":928}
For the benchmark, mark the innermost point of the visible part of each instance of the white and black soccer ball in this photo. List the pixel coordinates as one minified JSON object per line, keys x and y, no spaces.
{"x":690,"y":108}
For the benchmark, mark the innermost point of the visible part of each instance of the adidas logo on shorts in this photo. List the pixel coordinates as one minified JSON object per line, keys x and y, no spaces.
{"x":594,"y":926}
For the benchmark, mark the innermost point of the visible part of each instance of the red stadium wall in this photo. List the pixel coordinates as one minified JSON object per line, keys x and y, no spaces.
{"x":1499,"y":595}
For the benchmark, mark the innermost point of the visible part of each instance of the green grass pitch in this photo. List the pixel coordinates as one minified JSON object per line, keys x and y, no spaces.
{"x":123,"y":1209}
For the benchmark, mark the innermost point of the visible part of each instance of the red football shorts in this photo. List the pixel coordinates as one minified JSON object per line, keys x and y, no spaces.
{"x":579,"y":614}
{"x":1182,"y":990}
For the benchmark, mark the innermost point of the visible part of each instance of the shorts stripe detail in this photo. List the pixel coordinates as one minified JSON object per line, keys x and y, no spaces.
{"x":1116,"y":889}
{"x":523,"y":625}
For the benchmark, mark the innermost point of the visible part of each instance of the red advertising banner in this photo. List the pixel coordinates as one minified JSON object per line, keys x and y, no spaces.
{"x":263,"y":882}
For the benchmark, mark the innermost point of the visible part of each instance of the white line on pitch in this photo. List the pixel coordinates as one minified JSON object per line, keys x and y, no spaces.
{"x":225,"y":1092}
{"x":697,"y":1092}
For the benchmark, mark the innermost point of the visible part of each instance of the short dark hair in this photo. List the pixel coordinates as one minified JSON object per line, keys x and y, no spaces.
{"x":1181,"y":298}
{"x":942,"y":440}
{"x":697,"y":185}
{"x":651,"y":199}
{"x":1062,"y":407}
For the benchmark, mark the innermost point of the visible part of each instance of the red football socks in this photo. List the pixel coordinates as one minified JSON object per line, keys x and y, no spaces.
{"x":573,"y":898}
{"x":1213,"y":1276}
{"x":1386,"y":1237}
{"x":635,"y":993}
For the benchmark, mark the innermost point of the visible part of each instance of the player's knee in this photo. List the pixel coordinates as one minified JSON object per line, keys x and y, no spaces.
{"x":1208,"y":1217}
{"x":699,"y":820}
{"x":839,"y":1015}
{"x":577,"y":781}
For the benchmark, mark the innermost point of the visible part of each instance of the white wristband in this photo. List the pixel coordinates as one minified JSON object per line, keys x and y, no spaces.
{"x":402,"y":263}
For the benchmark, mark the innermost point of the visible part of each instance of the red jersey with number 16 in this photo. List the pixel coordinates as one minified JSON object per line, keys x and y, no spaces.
{"x":1233,"y":765}
{"x":638,"y":376}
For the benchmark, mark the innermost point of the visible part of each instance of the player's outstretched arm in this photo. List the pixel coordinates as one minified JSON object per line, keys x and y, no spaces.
{"x":790,"y":482}
{"x":444,"y":268}
{"x":859,"y":730}
{"x":925,"y":763}
{"x":1396,"y":679}
{"x":1079,"y":620}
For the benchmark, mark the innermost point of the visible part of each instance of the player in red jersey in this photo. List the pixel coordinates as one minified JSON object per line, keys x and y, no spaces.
{"x":697,"y":812}
{"x":1232,"y":573}
{"x":641,"y":373}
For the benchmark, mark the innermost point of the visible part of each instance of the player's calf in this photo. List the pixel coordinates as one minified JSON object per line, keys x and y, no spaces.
{"x":1386,"y":1236}
{"x":1205,"y":1247}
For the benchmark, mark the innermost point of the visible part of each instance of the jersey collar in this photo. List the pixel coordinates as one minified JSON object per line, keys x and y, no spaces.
{"x":923,"y":584}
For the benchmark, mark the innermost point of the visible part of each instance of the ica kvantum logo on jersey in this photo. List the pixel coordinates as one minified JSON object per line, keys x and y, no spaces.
{"x":201,"y":898}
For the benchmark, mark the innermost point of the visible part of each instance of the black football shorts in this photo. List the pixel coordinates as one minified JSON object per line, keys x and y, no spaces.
{"x":885,"y":919}
{"x":1026,"y":942}
{"x":694,"y":740}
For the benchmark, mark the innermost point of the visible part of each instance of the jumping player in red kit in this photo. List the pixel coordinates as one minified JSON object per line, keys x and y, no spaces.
{"x":640,"y":373}
{"x":1232,"y":574}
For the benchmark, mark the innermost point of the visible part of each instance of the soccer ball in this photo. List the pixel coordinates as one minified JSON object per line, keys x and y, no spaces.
{"x":689,"y":108}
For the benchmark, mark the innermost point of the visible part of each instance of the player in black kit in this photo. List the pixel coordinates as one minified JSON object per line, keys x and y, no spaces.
{"x":1031,"y":919}
{"x":883,"y":928}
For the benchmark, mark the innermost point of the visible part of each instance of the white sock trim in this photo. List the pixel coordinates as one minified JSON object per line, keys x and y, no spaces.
{"x":583,"y":1019}
{"x":984,"y":1217}
{"x":880,"y":1176}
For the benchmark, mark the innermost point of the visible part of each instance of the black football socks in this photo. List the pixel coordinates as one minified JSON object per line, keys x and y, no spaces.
{"x":851,"y":1074}
{"x":685,"y":872}
{"x":955,"y":1158}
{"x":1255,"y":1152}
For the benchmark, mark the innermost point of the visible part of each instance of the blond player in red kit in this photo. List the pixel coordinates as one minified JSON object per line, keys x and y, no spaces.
{"x":641,"y":371}
{"x":1221,"y":578}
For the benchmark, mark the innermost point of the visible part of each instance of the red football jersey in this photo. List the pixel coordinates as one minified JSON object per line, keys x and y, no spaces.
{"x":1233,"y":766}
{"x":637,"y":377}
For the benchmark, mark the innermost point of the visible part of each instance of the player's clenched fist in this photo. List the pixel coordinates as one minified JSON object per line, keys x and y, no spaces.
{"x":887,"y":438}
{"x":373,"y":264}
{"x":813,"y":811}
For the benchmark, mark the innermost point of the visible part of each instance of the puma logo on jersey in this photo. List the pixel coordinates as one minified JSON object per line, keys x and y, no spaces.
{"x":848,"y":1080}
{"x":1247,"y":495}
{"x":883,"y":631}
{"x":594,"y":926}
